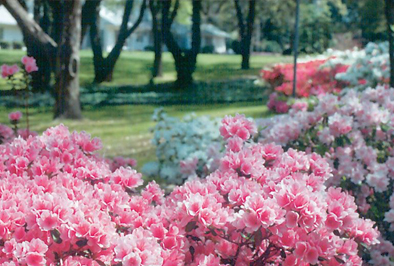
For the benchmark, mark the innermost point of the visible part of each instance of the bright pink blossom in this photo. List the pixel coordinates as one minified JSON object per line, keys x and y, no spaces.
{"x":29,"y":63}
{"x":15,"y":116}
{"x":7,"y":71}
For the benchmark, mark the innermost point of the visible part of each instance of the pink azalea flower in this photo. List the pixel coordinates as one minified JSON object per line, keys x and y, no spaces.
{"x":30,"y":64}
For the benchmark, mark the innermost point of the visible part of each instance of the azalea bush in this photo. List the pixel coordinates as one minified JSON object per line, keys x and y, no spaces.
{"x":354,"y":133}
{"x":312,"y":78}
{"x":281,"y":104}
{"x":184,"y":147}
{"x":61,"y":204}
{"x":367,"y":68}
{"x":8,"y":134}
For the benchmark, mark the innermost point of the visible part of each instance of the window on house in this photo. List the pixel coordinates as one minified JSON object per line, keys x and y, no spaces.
{"x":140,"y":37}
{"x":1,"y":33}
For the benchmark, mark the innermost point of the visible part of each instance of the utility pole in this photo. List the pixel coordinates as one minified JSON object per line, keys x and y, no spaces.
{"x":296,"y":40}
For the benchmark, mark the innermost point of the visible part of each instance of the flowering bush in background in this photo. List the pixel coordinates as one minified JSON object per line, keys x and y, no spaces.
{"x":8,"y":134}
{"x":62,"y":204}
{"x":367,"y":68}
{"x":20,"y":82}
{"x":184,"y":147}
{"x":329,"y":73}
{"x":312,"y":78}
{"x":355,"y":134}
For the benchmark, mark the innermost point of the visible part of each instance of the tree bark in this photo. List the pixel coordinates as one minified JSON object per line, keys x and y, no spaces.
{"x":64,"y":52}
{"x":95,"y":41}
{"x":89,"y":14}
{"x":40,"y":79}
{"x":38,"y":43}
{"x":67,"y":63}
{"x":389,"y":8}
{"x":245,"y":31}
{"x":185,"y":61}
{"x":157,"y":70}
{"x":106,"y":66}
{"x":37,"y":10}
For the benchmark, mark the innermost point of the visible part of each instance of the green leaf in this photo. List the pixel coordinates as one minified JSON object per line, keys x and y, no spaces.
{"x":55,"y":234}
{"x":81,"y":243}
{"x":339,"y":260}
{"x":190,"y":226}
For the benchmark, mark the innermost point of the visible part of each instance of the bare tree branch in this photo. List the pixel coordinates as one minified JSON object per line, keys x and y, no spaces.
{"x":139,"y":19}
{"x":240,"y":18}
{"x":88,"y":16}
{"x":29,"y":27}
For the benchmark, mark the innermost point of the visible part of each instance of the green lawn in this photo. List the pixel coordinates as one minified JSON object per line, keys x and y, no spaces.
{"x":134,"y":67}
{"x":124,"y":130}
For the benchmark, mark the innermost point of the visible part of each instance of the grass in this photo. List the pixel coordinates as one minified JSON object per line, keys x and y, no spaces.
{"x":125,"y":130}
{"x":135,"y":67}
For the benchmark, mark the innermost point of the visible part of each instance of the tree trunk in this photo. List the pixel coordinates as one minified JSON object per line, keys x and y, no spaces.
{"x":41,"y":78}
{"x":67,"y":63}
{"x":245,"y":31}
{"x":104,"y":67}
{"x":158,"y":49}
{"x":95,"y":42}
{"x":245,"y":53}
{"x":185,"y":61}
{"x":37,"y":11}
{"x":64,"y":53}
{"x":157,"y":70}
{"x":390,"y":30}
{"x":89,"y":14}
{"x":185,"y":67}
{"x":31,"y":30}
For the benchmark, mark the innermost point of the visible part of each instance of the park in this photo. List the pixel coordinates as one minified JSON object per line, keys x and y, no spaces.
{"x":196,"y":132}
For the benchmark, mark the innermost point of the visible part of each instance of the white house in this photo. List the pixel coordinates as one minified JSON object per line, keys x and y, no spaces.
{"x":141,"y":39}
{"x":9,"y":30}
{"x":213,"y":36}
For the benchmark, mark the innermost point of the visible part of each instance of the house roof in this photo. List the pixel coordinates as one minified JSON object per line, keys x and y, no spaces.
{"x":115,"y":19}
{"x":110,"y":17}
{"x":5,"y":17}
{"x":210,"y":29}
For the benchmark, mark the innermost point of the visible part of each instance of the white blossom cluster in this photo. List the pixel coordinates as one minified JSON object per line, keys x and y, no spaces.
{"x":367,"y":68}
{"x":185,"y":147}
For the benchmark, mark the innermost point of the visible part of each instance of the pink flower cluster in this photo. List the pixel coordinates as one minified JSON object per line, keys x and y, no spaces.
{"x":312,"y":78}
{"x":354,"y":132}
{"x":7,"y":134}
{"x":120,"y":161}
{"x":278,"y":104}
{"x":238,"y":127}
{"x":15,"y":116}
{"x":62,"y":204}
{"x":7,"y":70}
{"x":29,"y":65}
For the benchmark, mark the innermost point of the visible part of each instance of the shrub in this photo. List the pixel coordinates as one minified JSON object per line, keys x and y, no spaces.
{"x":149,"y":48}
{"x":184,"y":148}
{"x":271,"y":47}
{"x":5,"y":45}
{"x":354,"y":133}
{"x":61,"y":204}
{"x":312,"y":78}
{"x":369,"y":68}
{"x":209,"y":49}
{"x":17,"y":45}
